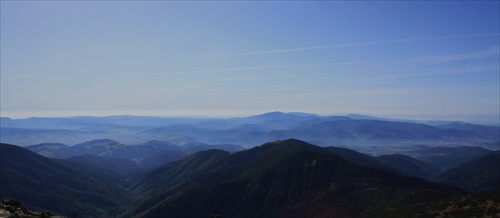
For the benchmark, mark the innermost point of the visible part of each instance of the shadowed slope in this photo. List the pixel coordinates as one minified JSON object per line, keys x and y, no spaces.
{"x":480,"y":174}
{"x":287,"y":178}
{"x":60,"y":186}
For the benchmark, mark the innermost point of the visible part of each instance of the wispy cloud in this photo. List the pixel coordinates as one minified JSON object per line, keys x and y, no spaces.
{"x":435,"y":72}
{"x":399,"y":91}
{"x":308,"y":48}
{"x":233,"y":79}
{"x":359,"y":44}
{"x":489,"y":53}
{"x":438,"y":72}
{"x":231,"y":69}
{"x":492,"y":51}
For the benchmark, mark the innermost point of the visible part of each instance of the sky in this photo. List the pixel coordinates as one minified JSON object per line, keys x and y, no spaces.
{"x":227,"y":58}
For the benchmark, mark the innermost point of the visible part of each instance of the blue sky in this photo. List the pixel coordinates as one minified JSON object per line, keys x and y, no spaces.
{"x":62,"y":58}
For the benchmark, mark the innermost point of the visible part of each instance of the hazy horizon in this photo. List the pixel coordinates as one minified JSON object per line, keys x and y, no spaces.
{"x":155,"y":58}
{"x":483,"y":119}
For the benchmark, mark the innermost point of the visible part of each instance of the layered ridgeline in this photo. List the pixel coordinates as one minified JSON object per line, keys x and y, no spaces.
{"x":288,"y":178}
{"x":126,"y":158}
{"x":367,"y":134}
{"x":425,"y":162}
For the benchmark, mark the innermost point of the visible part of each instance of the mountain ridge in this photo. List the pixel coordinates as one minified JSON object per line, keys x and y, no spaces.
{"x":284,"y":178}
{"x":264,"y":171}
{"x":248,"y":131}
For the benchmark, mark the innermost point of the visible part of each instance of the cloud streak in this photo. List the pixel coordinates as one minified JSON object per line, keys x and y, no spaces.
{"x":396,"y":92}
{"x":359,"y":44}
{"x":492,"y":52}
{"x":435,"y":72}
{"x":309,"y":48}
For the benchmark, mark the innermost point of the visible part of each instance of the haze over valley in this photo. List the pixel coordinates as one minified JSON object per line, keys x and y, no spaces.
{"x":369,"y":134}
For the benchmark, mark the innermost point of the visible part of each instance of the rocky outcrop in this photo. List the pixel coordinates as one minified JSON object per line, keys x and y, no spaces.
{"x":13,"y":209}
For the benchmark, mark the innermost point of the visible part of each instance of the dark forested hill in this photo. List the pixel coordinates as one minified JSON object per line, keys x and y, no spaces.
{"x":172,"y":173}
{"x":60,"y":186}
{"x":479,"y":174}
{"x":410,"y":166}
{"x":281,"y":179}
{"x":445,"y":158}
{"x":285,"y":178}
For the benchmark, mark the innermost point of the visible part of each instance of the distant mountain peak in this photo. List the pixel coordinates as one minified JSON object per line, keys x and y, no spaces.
{"x":273,"y":113}
{"x":282,"y":115}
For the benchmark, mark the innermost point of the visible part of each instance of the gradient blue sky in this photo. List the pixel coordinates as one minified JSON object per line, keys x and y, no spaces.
{"x":63,"y":58}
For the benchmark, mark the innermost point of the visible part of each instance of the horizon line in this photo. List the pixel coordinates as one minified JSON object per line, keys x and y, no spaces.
{"x":491,"y":117}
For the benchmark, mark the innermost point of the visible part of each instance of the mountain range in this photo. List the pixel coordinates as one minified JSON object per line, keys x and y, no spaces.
{"x":146,"y":155}
{"x":269,"y":165}
{"x":372,"y":135}
{"x":285,"y":178}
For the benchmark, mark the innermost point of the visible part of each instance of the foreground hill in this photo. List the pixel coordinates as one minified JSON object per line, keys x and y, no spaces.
{"x":479,"y":174}
{"x":60,"y":186}
{"x":172,"y":173}
{"x":410,"y":166}
{"x":287,"y":178}
{"x":281,"y":179}
{"x":484,"y":204}
{"x":12,"y":208}
{"x":445,"y":158}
